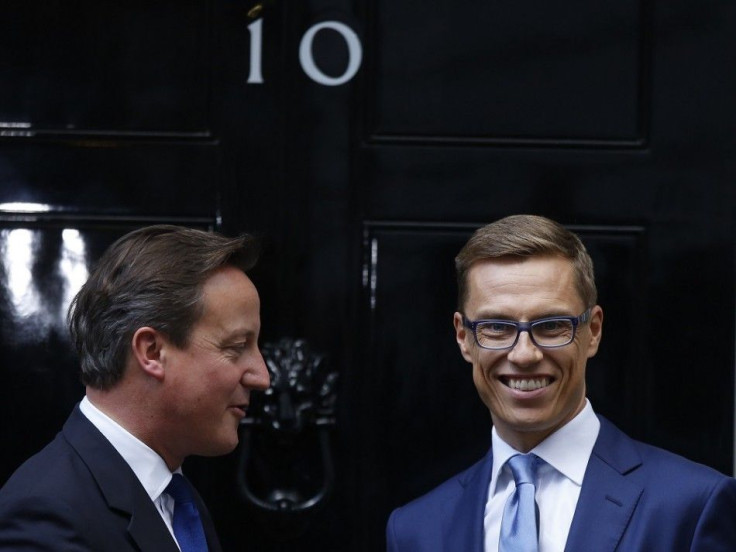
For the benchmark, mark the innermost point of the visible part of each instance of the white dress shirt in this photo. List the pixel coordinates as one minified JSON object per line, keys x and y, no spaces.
{"x":148,"y":467}
{"x":565,"y":453}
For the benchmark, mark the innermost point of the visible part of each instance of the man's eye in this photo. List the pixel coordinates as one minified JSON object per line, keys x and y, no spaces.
{"x":553,"y":327}
{"x":236,"y":348}
{"x":496,"y":328}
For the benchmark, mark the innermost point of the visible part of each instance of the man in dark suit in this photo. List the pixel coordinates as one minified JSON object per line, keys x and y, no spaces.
{"x":527,"y":322}
{"x":167,"y":330}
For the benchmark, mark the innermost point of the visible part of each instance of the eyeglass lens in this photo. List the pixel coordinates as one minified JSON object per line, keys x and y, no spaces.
{"x":547,"y":333}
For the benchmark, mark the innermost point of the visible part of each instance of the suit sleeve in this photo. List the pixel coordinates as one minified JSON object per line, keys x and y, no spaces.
{"x":40,"y":524}
{"x":716,"y":528}
{"x":391,"y":544}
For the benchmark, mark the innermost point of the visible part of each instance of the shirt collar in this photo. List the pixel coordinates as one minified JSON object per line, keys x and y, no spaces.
{"x":149,"y":467}
{"x":502,"y":451}
{"x":567,"y":450}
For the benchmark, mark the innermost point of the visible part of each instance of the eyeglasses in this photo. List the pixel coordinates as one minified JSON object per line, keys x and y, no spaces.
{"x":548,"y":333}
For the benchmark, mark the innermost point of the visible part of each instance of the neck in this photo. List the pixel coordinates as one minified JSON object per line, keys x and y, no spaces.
{"x":526,"y":440}
{"x":133,"y":413}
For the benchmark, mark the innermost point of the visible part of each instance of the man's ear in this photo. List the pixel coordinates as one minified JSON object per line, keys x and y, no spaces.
{"x":461,"y":336}
{"x":596,"y":330}
{"x":147,"y":345}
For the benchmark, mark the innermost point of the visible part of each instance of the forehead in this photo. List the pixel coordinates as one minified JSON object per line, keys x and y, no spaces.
{"x":230,"y":302}
{"x":523,"y":287}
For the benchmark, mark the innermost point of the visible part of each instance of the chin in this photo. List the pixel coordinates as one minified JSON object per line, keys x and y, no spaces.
{"x":230,"y":445}
{"x":528,"y":421}
{"x":222,"y":446}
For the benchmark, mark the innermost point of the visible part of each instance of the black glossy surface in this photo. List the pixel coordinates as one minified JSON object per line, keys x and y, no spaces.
{"x":112,"y":179}
{"x":105,"y":66}
{"x":43,"y":266}
{"x":616,"y":120}
{"x":534,"y":71}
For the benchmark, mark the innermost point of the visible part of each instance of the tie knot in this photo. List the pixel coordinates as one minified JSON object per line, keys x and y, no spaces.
{"x":523,"y":467}
{"x":179,"y":489}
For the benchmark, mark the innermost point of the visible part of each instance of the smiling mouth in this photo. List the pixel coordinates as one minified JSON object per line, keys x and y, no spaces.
{"x":525,"y":384}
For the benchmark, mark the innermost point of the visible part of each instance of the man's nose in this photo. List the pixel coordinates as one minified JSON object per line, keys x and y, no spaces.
{"x":525,"y":352}
{"x":257,"y":376}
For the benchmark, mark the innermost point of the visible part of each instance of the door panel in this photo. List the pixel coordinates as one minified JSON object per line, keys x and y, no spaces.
{"x":105,"y":68}
{"x":531,"y":72}
{"x":108,"y":178}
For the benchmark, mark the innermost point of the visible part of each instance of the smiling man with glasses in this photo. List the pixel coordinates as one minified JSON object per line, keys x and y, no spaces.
{"x":558,"y":477}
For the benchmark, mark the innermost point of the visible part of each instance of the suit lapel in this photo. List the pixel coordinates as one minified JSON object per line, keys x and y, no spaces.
{"x":149,"y":532}
{"x":119,"y":485}
{"x":607,"y":498}
{"x":465,"y":523}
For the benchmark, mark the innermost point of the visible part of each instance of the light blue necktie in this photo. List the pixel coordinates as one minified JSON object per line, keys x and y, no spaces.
{"x":187,"y":524}
{"x":519,"y":531}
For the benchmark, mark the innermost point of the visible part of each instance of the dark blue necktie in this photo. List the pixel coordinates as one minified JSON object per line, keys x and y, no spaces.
{"x":188,"y":528}
{"x":519,"y":531}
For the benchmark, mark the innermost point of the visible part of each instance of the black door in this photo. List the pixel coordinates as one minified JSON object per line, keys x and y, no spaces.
{"x":364,"y":141}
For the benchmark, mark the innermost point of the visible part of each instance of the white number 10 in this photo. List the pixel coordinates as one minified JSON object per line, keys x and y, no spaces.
{"x":306,"y":57}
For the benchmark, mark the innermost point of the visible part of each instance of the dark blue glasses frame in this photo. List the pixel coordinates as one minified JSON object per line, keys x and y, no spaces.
{"x":527,"y":327}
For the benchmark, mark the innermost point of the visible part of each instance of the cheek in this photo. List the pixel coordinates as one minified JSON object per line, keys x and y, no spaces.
{"x":478,"y":377}
{"x":572,"y":361}
{"x":483,"y":384}
{"x":575,"y":374}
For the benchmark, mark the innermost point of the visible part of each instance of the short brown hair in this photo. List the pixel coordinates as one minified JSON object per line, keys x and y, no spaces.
{"x":150,"y":277}
{"x":526,"y":236}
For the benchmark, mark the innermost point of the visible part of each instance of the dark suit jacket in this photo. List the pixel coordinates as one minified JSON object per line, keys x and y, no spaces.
{"x":78,"y":494}
{"x":634,"y":498}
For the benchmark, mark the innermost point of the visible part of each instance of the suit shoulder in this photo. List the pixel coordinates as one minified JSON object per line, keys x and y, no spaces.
{"x":671,"y":476}
{"x":40,"y":505}
{"x":50,"y":472}
{"x":670,"y":465}
{"x":441,"y":496}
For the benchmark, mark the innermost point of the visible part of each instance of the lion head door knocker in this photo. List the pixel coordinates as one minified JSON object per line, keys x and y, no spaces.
{"x":285,"y":468}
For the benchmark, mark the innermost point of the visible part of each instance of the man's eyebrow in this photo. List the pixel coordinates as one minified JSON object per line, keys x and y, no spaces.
{"x":239,"y":334}
{"x":493,"y":315}
{"x":499,"y":315}
{"x":555,"y":314}
{"x":493,"y":318}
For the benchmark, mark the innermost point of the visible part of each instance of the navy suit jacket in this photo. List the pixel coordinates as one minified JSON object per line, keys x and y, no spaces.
{"x":634,"y":498}
{"x":78,"y":494}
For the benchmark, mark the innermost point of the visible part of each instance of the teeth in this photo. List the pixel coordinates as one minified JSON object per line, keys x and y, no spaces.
{"x":528,"y":384}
